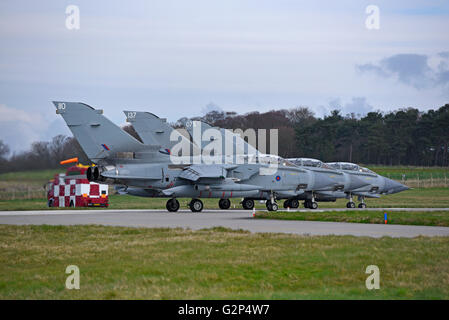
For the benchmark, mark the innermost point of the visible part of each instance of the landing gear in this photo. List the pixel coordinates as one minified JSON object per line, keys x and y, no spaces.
{"x":362,"y":204}
{"x":196,"y":205}
{"x":272,"y":206}
{"x":172,"y":205}
{"x":350,"y":204}
{"x":248,"y":204}
{"x":292,"y":203}
{"x":224,"y":204}
{"x":309,"y":204}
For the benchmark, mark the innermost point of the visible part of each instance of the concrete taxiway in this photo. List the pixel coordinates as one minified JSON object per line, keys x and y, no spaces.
{"x":234,"y":219}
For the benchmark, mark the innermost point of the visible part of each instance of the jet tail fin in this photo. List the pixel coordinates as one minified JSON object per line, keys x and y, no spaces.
{"x":155,"y":130}
{"x":98,"y":136}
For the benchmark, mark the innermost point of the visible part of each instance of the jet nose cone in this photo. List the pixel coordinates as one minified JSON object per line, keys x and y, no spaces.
{"x":392,"y":186}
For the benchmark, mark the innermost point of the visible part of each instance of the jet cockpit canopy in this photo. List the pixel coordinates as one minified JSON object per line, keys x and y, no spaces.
{"x":349,"y":166}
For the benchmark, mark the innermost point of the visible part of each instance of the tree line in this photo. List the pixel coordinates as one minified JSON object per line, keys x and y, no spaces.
{"x":402,"y":137}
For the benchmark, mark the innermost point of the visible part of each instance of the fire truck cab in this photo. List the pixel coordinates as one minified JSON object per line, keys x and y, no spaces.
{"x":72,"y":189}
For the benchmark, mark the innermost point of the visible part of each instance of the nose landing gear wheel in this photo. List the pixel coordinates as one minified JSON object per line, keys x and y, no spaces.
{"x":362,"y":205}
{"x":172,"y":205}
{"x":314,"y":205}
{"x":248,"y":204}
{"x":196,"y":205}
{"x":350,"y":205}
{"x":224,"y":204}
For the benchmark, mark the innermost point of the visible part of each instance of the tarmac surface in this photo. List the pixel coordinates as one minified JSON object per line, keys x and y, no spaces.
{"x":233,"y":219}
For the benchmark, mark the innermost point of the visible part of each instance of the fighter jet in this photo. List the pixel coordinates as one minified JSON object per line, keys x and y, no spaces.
{"x":377,"y":185}
{"x":318,"y":181}
{"x":149,"y":168}
{"x":153,"y":129}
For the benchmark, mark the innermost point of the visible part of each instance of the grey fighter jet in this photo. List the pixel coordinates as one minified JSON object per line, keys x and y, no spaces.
{"x":149,"y":169}
{"x":377,"y":185}
{"x":318,"y":181}
{"x":153,"y":129}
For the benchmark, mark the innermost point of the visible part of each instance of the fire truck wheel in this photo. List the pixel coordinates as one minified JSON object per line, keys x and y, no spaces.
{"x":172,"y":205}
{"x":71,"y":204}
{"x":50,"y":203}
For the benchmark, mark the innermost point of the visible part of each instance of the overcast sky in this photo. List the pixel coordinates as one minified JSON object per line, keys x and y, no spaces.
{"x":173,"y":58}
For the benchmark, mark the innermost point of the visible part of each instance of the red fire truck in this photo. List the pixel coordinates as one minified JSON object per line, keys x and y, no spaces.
{"x":72,"y":189}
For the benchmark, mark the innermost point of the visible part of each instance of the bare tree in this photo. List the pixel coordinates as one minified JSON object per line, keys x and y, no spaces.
{"x":4,"y":150}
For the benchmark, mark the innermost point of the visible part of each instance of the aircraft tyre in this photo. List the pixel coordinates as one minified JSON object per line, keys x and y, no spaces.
{"x":362,"y":205}
{"x":272,"y":206}
{"x":287,"y":204}
{"x":224,"y":204}
{"x":313,"y":205}
{"x":196,"y":205}
{"x":350,"y":205}
{"x":172,"y":205}
{"x":294,"y":203}
{"x":248,"y":204}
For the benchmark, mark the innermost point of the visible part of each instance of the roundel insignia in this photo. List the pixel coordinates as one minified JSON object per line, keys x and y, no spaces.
{"x":278,"y":178}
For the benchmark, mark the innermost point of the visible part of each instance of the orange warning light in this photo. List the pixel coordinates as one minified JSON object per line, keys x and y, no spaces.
{"x":71,"y":160}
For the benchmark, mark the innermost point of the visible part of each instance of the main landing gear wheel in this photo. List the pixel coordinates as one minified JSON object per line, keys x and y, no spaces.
{"x":362,"y":205}
{"x":310,"y":204}
{"x":272,"y":206}
{"x":196,"y":205}
{"x":350,"y":205}
{"x":224,"y":204}
{"x":248,"y":204}
{"x":292,"y":203}
{"x":172,"y":205}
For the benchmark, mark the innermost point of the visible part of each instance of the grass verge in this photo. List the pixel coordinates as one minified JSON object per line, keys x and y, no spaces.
{"x":423,"y":218}
{"x":133,"y":263}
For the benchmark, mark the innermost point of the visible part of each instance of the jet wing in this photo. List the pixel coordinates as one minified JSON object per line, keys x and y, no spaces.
{"x":196,"y":172}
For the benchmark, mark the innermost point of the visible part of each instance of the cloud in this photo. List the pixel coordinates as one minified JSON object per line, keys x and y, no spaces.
{"x":358,"y":106}
{"x":210,"y":107}
{"x":410,"y":69}
{"x":19,"y":129}
{"x":444,"y":54}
